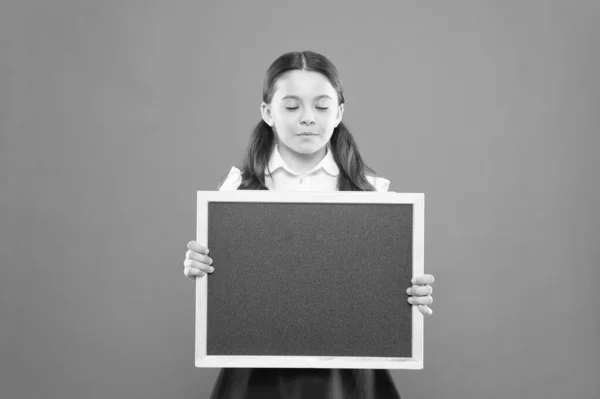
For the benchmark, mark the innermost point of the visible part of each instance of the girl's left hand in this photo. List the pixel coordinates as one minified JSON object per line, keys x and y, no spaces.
{"x":421,"y":293}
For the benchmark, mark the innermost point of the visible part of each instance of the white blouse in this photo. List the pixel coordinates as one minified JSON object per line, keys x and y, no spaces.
{"x":322,"y":177}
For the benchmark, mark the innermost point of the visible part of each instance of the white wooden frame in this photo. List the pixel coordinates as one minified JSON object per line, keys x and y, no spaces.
{"x":414,"y":362}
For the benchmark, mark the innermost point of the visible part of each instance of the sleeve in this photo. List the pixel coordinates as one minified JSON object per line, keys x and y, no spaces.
{"x":381,"y":184}
{"x":232,"y":181}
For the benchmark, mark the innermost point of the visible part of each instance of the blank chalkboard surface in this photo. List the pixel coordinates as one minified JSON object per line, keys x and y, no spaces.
{"x":309,"y":279}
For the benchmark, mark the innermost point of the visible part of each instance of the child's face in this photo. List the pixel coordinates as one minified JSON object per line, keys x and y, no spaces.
{"x":291,"y":118}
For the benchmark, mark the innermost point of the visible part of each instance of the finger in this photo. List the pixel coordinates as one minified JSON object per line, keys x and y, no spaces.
{"x":186,"y":273}
{"x":196,"y":246}
{"x":198,"y":265}
{"x":192,"y":273}
{"x":420,"y":300}
{"x":193,"y":255}
{"x":426,"y":310}
{"x":423,"y":280}
{"x":420,"y":290}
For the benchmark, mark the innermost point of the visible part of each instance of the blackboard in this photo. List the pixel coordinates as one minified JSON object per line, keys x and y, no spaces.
{"x":309,"y":279}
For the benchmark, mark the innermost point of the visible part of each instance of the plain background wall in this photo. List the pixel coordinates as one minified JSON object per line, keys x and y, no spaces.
{"x":113,"y":114}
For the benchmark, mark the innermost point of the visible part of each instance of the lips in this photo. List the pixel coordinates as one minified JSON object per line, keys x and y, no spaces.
{"x":307,"y":134}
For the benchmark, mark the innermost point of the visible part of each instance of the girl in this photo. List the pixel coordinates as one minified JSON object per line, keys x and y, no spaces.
{"x":301,"y":144}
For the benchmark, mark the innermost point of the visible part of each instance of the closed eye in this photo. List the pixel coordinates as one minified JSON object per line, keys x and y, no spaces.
{"x":319,"y":108}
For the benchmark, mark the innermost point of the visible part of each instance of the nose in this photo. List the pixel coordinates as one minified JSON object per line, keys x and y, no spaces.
{"x":307,"y":119}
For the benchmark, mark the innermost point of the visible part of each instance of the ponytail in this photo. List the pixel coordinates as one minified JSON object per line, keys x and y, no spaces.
{"x":352,"y":167}
{"x":257,"y":156}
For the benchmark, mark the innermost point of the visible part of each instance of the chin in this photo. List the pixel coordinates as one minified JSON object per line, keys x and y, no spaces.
{"x":307,"y":149}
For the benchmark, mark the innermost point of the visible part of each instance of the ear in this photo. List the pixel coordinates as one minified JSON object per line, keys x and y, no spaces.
{"x":265,"y":111}
{"x":338,"y":118}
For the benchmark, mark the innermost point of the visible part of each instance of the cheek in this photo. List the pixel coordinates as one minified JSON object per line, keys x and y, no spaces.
{"x":284,"y":128}
{"x":328,"y":121}
{"x":283,"y":122}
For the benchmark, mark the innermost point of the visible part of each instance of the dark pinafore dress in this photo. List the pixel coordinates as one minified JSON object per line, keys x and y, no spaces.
{"x":268,"y":383}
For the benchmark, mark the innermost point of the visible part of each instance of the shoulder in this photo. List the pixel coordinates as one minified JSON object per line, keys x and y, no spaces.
{"x":381,"y":184}
{"x":232,"y":180}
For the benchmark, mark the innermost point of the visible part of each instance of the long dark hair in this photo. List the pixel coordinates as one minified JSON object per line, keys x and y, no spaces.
{"x":353,"y":170}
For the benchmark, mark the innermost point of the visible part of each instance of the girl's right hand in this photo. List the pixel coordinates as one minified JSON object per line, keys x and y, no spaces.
{"x":197,"y":262}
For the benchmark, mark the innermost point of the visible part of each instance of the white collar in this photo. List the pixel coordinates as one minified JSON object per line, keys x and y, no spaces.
{"x":327,"y":163}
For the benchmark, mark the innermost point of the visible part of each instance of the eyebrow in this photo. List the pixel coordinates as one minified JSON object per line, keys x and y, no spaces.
{"x":316,"y":98}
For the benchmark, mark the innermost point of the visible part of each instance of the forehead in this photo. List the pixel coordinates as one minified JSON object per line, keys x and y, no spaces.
{"x":304,"y":84}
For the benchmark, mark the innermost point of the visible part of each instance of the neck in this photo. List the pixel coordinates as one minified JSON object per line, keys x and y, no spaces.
{"x":301,"y":163}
